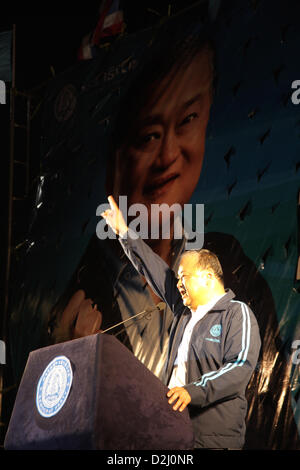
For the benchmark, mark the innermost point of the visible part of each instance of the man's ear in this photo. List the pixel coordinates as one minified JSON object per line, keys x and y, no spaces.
{"x":210,"y":277}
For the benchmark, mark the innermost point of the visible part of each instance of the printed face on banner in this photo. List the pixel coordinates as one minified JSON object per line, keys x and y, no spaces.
{"x":161,"y":160}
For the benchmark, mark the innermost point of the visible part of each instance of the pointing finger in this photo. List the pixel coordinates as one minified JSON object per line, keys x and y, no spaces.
{"x":112,"y":203}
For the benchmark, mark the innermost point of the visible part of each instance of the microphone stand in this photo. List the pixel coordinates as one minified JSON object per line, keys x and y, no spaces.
{"x":158,"y":307}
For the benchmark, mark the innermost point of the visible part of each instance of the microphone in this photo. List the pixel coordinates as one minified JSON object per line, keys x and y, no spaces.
{"x":160,"y":307}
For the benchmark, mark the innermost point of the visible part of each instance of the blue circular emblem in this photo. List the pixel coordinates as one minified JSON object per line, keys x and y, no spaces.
{"x":54,"y":386}
{"x":216,"y":330}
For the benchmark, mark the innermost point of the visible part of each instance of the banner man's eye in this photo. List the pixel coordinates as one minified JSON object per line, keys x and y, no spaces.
{"x":189,"y":118}
{"x":146,"y":139}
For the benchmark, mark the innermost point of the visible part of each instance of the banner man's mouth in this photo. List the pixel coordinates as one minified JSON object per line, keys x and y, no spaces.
{"x":159,"y":184}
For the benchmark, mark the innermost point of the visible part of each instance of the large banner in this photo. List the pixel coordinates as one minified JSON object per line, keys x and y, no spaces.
{"x":198,"y":110}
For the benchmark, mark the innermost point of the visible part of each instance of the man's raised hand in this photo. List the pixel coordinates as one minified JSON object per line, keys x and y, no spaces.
{"x":114,"y":218}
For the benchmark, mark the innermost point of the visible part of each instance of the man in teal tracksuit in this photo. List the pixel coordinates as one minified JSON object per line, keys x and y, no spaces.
{"x":214,"y":340}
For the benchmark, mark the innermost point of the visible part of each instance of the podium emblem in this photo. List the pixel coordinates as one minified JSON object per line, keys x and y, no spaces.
{"x":54,"y":386}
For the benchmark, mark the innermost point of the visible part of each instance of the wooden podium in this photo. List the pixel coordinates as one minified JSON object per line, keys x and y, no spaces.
{"x":93,"y":393}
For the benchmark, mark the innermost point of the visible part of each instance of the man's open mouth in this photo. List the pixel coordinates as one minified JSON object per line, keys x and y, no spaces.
{"x":183,"y":292}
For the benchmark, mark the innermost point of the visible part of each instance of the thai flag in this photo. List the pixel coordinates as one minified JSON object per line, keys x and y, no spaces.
{"x":110,"y":23}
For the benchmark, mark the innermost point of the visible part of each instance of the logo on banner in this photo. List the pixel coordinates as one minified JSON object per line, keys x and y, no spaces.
{"x":65,"y":103}
{"x":54,"y":386}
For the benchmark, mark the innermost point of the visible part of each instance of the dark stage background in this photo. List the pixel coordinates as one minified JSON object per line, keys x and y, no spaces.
{"x":80,"y":118}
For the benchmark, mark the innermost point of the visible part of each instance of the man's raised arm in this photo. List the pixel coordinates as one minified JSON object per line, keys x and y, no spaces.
{"x":157,"y":273}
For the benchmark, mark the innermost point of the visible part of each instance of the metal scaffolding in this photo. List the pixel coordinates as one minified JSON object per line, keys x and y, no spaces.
{"x":23,"y":160}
